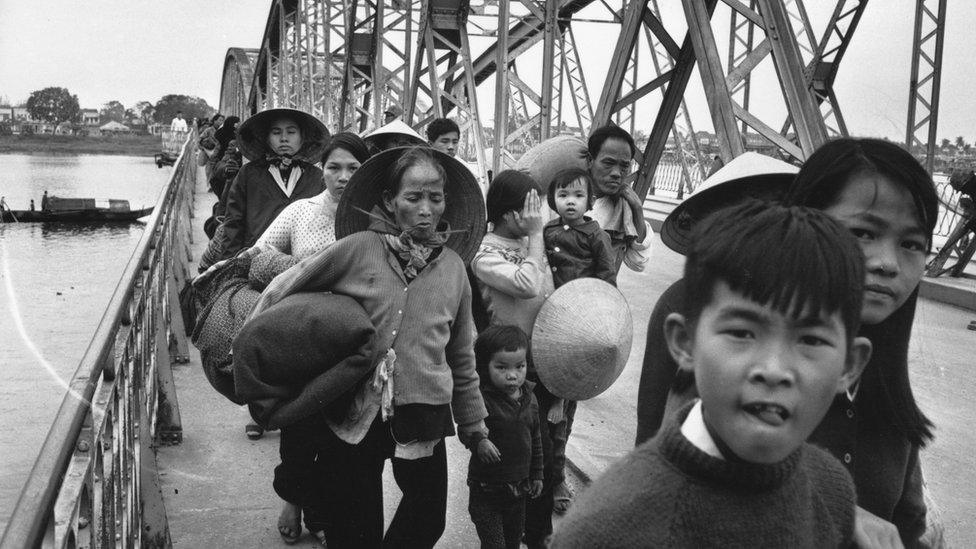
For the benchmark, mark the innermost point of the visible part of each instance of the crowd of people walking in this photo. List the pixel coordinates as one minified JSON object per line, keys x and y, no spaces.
{"x":370,"y":296}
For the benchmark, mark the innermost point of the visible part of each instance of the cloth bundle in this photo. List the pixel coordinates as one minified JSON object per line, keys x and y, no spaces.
{"x":306,"y":354}
{"x":225,"y":300}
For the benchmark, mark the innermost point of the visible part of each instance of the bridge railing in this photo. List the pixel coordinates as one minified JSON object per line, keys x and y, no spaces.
{"x":95,"y":482}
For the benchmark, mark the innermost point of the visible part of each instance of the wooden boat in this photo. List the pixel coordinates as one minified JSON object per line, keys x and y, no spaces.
{"x":76,"y":210}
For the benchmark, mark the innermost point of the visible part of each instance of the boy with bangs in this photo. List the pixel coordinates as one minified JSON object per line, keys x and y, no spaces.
{"x":774,"y":297}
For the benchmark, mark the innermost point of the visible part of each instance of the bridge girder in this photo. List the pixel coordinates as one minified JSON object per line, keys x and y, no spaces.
{"x":926,"y":78}
{"x":348,"y":60}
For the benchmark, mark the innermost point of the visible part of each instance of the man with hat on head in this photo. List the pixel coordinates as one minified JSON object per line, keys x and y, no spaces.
{"x":662,"y":386}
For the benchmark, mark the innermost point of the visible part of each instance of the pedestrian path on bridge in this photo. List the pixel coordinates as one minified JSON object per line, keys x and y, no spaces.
{"x":217,"y":484}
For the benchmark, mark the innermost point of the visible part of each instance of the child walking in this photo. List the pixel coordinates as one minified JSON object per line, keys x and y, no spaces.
{"x":505,"y":466}
{"x":576,"y":246}
{"x":773,"y":304}
{"x":513,"y":280}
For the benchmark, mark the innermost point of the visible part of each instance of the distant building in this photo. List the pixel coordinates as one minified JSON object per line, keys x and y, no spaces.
{"x":114,"y":127}
{"x":89,"y":117}
{"x":6,"y":113}
{"x":20,"y":113}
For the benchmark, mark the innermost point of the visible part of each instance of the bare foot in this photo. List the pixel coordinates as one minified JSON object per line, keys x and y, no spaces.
{"x":290,"y":522}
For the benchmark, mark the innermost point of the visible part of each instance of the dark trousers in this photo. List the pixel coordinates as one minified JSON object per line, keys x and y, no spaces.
{"x":498,"y":514}
{"x":538,"y":511}
{"x":355,"y":475}
{"x":299,"y":479}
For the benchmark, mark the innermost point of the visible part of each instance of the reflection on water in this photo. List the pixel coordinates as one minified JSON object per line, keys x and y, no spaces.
{"x":56,"y":281}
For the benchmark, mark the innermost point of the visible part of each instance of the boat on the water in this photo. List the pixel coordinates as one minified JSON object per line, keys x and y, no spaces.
{"x":76,"y":210}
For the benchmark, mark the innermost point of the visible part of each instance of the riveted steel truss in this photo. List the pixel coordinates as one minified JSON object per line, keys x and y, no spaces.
{"x":347,"y":60}
{"x":926,"y":79}
{"x":443,"y":75}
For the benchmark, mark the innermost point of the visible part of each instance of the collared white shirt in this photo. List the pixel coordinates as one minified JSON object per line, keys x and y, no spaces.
{"x":694,"y":430}
{"x":288,"y":187}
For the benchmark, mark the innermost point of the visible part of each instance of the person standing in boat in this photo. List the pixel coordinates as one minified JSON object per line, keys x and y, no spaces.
{"x":44,"y":203}
{"x":281,"y":145}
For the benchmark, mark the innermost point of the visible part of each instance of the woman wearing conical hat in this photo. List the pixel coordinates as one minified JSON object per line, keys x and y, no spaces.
{"x":281,"y":145}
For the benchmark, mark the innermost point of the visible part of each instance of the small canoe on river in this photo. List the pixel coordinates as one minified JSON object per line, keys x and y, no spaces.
{"x":76,"y":210}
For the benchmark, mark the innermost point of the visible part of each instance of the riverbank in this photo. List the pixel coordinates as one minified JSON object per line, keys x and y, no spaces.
{"x":128,"y":145}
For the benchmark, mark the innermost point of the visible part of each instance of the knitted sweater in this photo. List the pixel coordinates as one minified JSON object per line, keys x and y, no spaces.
{"x":514,"y":282}
{"x":427,"y":323}
{"x":668,"y":493}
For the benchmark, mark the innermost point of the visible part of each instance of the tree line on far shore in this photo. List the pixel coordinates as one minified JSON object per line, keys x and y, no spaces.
{"x":56,"y":105}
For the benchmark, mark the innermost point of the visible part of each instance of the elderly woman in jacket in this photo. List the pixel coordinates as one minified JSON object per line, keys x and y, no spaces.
{"x":416,"y":216}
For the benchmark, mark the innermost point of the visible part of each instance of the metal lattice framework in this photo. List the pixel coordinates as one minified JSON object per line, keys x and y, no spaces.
{"x":348,"y":60}
{"x":923,"y":100}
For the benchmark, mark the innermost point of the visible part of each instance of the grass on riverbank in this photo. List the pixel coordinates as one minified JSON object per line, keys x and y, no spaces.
{"x":129,"y":145}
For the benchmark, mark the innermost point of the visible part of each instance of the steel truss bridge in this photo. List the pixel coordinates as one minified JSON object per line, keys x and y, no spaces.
{"x":95,"y":482}
{"x":346,"y":61}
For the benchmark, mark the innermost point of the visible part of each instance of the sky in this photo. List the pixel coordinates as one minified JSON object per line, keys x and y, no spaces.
{"x":104,"y":50}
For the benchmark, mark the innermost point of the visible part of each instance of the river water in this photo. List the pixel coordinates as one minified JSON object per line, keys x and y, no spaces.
{"x":55,"y":282}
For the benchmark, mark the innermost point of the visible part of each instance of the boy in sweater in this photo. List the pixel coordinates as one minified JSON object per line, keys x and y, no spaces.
{"x":505,"y":466}
{"x":774,"y":298}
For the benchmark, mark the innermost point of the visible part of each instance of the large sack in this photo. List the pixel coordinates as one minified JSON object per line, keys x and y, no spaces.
{"x":224,"y":301}
{"x":301,"y":355}
{"x":546,"y":159}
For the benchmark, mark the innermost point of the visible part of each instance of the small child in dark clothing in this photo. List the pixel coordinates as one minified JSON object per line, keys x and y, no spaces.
{"x":506,"y":466}
{"x":576,"y":246}
{"x":773,"y":304}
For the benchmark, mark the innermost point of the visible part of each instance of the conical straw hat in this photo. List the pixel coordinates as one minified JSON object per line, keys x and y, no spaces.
{"x":581,"y":339}
{"x":747,"y":175}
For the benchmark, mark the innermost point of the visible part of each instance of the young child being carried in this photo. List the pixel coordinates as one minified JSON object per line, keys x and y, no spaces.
{"x":773,"y":302}
{"x":506,"y":466}
{"x":576,"y":246}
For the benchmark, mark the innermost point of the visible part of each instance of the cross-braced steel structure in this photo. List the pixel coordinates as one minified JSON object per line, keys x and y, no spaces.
{"x":515,"y":72}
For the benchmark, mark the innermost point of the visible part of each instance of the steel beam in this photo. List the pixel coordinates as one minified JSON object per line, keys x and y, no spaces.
{"x":926,"y":79}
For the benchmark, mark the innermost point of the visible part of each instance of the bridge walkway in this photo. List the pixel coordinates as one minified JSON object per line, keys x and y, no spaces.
{"x":217,"y":484}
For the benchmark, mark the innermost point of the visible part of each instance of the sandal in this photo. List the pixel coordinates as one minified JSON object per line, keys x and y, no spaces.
{"x":562,"y":498}
{"x":253,"y":431}
{"x":290,"y":530}
{"x":320,"y":536}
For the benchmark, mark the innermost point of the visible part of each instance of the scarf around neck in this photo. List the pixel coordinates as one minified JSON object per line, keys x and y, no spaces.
{"x":282,"y":161}
{"x":413,"y":249}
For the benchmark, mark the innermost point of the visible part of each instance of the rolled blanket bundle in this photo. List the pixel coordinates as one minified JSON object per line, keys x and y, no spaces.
{"x":302,"y":355}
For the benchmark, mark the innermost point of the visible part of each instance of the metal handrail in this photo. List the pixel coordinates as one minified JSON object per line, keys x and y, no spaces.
{"x":93,"y":481}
